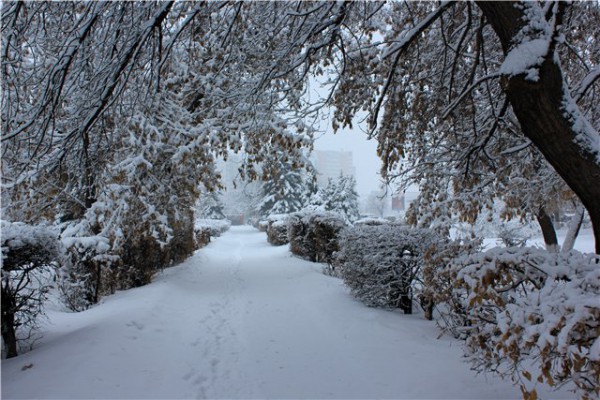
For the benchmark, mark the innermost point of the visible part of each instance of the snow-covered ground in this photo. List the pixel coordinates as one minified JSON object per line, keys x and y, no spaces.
{"x":584,"y":243}
{"x":243,"y":319}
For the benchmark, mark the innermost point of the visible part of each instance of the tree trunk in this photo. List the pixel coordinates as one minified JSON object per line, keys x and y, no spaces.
{"x":8,"y":323}
{"x":574,"y":226}
{"x":542,"y":115}
{"x":548,"y":230}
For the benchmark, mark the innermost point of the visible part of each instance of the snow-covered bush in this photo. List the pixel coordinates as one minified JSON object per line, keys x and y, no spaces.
{"x":277,"y":233}
{"x":326,"y":228}
{"x":439,"y":290}
{"x":30,"y":256}
{"x":301,"y":238}
{"x":144,"y":254}
{"x":533,"y":315}
{"x":382,"y":263}
{"x":183,"y":243}
{"x":204,"y":229}
{"x":262,"y":225}
{"x":371,"y":221}
{"x":216,"y":226}
{"x":314,"y":235}
{"x":277,"y":229}
{"x":89,"y":267}
{"x":104,"y":257}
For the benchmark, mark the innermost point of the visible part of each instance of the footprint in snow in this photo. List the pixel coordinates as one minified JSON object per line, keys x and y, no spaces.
{"x":136,"y":324}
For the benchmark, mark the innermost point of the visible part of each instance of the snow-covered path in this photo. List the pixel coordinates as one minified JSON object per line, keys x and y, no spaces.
{"x":243,"y":319}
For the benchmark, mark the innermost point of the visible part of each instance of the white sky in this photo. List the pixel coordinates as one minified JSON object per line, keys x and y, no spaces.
{"x":364,"y":155}
{"x":364,"y":152}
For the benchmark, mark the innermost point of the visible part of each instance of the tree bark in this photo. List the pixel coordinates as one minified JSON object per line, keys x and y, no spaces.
{"x":548,"y":230}
{"x":540,"y":111}
{"x":8,"y":323}
{"x":574,"y":227}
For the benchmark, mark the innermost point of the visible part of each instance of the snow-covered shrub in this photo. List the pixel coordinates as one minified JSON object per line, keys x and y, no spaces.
{"x":216,"y":227}
{"x":439,"y":290}
{"x":262,"y":225}
{"x":371,"y":221}
{"x":277,"y":229}
{"x":533,"y":315}
{"x":88,"y":271}
{"x":183,"y":242}
{"x":143,"y":256}
{"x":314,"y":235}
{"x":301,"y":238}
{"x":326,"y":228}
{"x":205,"y":229}
{"x":30,"y":256}
{"x":201,"y":236}
{"x":382,"y":263}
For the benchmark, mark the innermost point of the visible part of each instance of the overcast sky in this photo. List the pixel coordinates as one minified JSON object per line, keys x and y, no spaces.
{"x":364,"y":155}
{"x":364,"y":152}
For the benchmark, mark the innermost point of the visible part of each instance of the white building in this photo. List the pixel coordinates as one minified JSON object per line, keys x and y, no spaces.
{"x":329,"y":164}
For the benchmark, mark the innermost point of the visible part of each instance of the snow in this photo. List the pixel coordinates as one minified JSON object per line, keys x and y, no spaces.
{"x":524,"y":58}
{"x":215,"y":226}
{"x":585,"y":134}
{"x":584,"y":242}
{"x":243,"y":319}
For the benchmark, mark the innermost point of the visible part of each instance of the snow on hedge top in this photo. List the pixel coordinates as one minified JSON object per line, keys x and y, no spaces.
{"x":77,"y":236}
{"x":215,"y":226}
{"x":26,"y":241}
{"x":371,"y":221}
{"x":16,"y":235}
{"x":276,"y":217}
{"x":311,"y":214}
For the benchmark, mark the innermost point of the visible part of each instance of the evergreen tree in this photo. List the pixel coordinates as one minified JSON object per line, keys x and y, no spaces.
{"x":211,"y":206}
{"x":339,"y":196}
{"x":285,"y":192}
{"x":346,"y":201}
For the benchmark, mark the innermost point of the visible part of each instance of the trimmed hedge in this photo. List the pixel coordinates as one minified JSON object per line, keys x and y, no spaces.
{"x":277,"y":229}
{"x":381,"y":264}
{"x":314,"y":235}
{"x":205,"y":229}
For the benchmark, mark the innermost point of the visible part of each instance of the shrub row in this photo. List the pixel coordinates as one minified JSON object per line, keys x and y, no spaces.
{"x":87,"y":266}
{"x":383,"y":264}
{"x":532,"y":314}
{"x":96,"y":266}
{"x":314,"y":236}
{"x":276,"y":228}
{"x":205,"y":229}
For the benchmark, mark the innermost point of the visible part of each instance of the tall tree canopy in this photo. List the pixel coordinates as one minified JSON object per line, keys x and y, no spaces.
{"x":105,"y":101}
